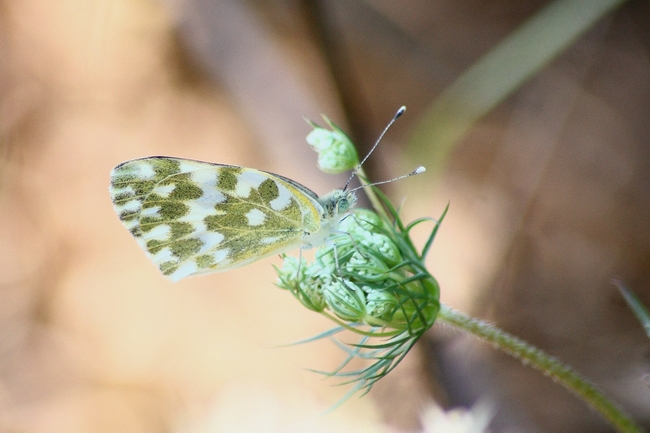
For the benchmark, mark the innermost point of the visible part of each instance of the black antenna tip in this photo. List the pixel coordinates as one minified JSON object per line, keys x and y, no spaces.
{"x":401,"y":111}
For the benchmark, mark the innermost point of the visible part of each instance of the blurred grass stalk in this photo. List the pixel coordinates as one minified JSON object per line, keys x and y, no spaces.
{"x":499,"y":73}
{"x":640,"y":311}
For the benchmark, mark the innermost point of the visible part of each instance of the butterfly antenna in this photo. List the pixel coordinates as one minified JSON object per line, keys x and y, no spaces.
{"x":401,"y":111}
{"x":418,"y":170}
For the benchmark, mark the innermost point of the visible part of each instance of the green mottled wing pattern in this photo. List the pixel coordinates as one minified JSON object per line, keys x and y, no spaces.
{"x":194,"y":217}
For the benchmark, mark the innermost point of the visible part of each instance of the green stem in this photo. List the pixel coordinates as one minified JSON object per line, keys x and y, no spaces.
{"x":536,"y":358}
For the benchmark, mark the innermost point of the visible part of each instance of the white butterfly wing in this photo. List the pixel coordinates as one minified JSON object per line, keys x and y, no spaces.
{"x":194,"y":217}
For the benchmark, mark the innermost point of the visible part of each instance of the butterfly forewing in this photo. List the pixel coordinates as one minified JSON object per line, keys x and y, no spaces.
{"x":193,"y":217}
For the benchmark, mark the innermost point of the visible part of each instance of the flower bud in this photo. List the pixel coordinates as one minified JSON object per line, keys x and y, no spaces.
{"x":346,"y":300}
{"x":380,"y":307}
{"x":297,"y":276}
{"x":336,"y":152}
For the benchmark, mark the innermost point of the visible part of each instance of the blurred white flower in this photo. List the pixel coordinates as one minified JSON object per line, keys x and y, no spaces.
{"x":458,"y":420}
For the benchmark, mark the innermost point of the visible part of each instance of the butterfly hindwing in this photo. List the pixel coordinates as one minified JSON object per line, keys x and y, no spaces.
{"x":194,"y":217}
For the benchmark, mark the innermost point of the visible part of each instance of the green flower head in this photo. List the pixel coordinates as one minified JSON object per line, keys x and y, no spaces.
{"x":360,"y":276}
{"x":369,"y":279}
{"x":336,"y":152}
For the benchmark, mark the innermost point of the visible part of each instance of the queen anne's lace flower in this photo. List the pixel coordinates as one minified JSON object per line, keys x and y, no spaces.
{"x":369,"y":279}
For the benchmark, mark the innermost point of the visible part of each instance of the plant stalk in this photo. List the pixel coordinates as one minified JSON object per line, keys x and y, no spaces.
{"x":538,"y":359}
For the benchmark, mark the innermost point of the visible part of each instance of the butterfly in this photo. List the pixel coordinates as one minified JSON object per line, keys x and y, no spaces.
{"x":194,"y":217}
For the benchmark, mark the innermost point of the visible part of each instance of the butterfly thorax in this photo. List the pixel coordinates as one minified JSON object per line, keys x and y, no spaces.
{"x":334,"y":204}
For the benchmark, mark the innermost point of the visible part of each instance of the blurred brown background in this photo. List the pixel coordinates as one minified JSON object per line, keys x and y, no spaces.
{"x":549,"y":193}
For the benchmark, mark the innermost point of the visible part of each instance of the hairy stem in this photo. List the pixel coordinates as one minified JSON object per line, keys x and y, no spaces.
{"x":536,"y":358}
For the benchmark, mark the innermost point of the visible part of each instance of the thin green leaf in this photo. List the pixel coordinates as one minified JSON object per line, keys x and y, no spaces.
{"x":320,"y":336}
{"x":432,"y":236}
{"x":639,"y":310}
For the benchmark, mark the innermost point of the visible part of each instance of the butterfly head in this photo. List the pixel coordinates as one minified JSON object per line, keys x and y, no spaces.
{"x":337,"y":202}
